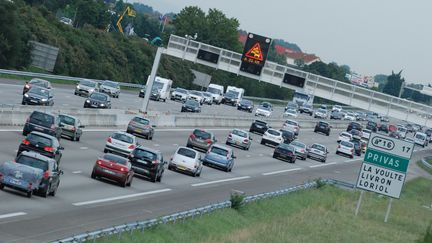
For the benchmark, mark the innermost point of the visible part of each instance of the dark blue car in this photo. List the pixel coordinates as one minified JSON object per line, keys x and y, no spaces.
{"x":20,"y":177}
{"x":220,"y":157}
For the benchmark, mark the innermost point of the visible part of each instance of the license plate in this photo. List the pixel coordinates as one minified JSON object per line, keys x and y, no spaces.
{"x":238,"y":143}
{"x":14,"y":181}
{"x":258,"y":126}
{"x":33,"y":101}
{"x":181,"y":167}
{"x":138,"y":130}
{"x":109,"y":172}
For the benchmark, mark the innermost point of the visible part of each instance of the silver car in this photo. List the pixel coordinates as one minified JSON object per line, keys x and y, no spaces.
{"x":71,"y":127}
{"x":141,"y":126}
{"x":321,"y":113}
{"x":86,"y":87}
{"x":317,"y":151}
{"x":120,"y":143}
{"x":201,"y":139}
{"x":239,"y":138}
{"x":300,"y":149}
{"x":208,"y":98}
{"x":110,"y":88}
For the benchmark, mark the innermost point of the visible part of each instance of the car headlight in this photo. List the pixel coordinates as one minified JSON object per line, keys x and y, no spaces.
{"x":44,"y":100}
{"x":78,"y":86}
{"x":87,"y":101}
{"x":26,"y":95}
{"x":102,"y":104}
{"x":91,"y":90}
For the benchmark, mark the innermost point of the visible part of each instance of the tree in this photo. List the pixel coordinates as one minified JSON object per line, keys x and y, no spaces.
{"x":299,"y":63}
{"x":331,"y":70}
{"x":394,"y":84}
{"x":92,"y":12}
{"x":189,"y":21}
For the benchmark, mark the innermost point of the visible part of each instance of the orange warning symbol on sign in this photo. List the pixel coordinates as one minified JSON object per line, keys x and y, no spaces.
{"x":255,"y":52}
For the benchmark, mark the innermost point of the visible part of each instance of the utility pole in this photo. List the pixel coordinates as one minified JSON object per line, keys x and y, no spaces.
{"x":151,"y":80}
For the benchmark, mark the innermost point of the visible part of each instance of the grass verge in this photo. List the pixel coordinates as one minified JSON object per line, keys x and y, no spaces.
{"x":317,"y":215}
{"x":421,"y":165}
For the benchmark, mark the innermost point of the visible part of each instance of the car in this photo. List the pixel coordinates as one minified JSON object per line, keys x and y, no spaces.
{"x":186,"y":160}
{"x":372,"y":125}
{"x":354,"y":125}
{"x":317,"y":151}
{"x":140,"y":126}
{"x":197,"y":96}
{"x":66,"y":21}
{"x":285,"y":152}
{"x":363,"y":145}
{"x":142,"y":92}
{"x":229,"y":98}
{"x":355,"y":132}
{"x":361,"y":116}
{"x":306,"y":108}
{"x":147,"y":162}
{"x":191,"y":106}
{"x":208,"y":98}
{"x":320,"y":113}
{"x":336,"y":115}
{"x":366,"y":134}
{"x":322,"y":127}
{"x":409,"y":140}
{"x":20,"y":177}
{"x":263,"y":111}
{"x":51,"y":173}
{"x":86,"y":87}
{"x":344,"y":136}
{"x":201,"y":139}
{"x":273,"y":137}
{"x":402,"y":131}
{"x":288,"y":135}
{"x":155,"y":94}
{"x":345,"y":147}
{"x":121,"y":143}
{"x":110,"y":88}
{"x":290,"y":113}
{"x":291,"y":125}
{"x":337,"y":108}
{"x":409,"y":127}
{"x":356,"y":141}
{"x":429,"y":133}
{"x":245,"y":105}
{"x":115,"y":168}
{"x":324,"y":107}
{"x":98,"y":100}
{"x":220,"y":157}
{"x":71,"y":127}
{"x":385,"y":119}
{"x":42,"y":143}
{"x":180,"y":94}
{"x":300,"y":149}
{"x":384,"y":127}
{"x":349,"y":117}
{"x":239,"y":138}
{"x":292,"y":105}
{"x":44,"y":122}
{"x":259,"y":127}
{"x":420,"y":138}
{"x":38,"y":83}
{"x":38,"y":96}
{"x":417,"y":128}
{"x":267,"y":105}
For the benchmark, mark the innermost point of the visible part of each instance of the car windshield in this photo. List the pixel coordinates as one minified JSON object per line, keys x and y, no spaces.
{"x":37,"y":139}
{"x":42,"y":117}
{"x":88,"y":83}
{"x":346,"y":135}
{"x":191,"y":103}
{"x":240,"y":133}
{"x":111,"y":84}
{"x":260,"y":123}
{"x":33,"y":162}
{"x":145,"y":154}
{"x":187,"y":152}
{"x":288,"y":122}
{"x":115,"y":159}
{"x":208,"y":95}
{"x":230,"y":95}
{"x":318,"y":147}
{"x":402,"y":129}
{"x":323,"y":124}
{"x":287,"y":133}
{"x":201,"y":134}
{"x":157,"y":85}
{"x":265,"y":108}
{"x":98,"y":96}
{"x":346,"y":144}
{"x":196,"y":93}
{"x":322,"y":110}
{"x":213,"y":90}
{"x":122,"y":137}
{"x":291,"y":111}
{"x":140,"y":120}
{"x":219,"y":151}
{"x":371,"y":123}
{"x":419,"y":136}
{"x":298,"y":144}
{"x":266,"y":104}
{"x":39,"y":82}
{"x":183,"y":91}
{"x":67,"y":120}
{"x":39,"y":91}
{"x":274,"y":132}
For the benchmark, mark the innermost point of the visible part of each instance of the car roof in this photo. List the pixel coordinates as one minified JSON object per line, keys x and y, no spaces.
{"x":101,"y":94}
{"x":38,"y":156}
{"x":324,"y":122}
{"x":43,"y":135}
{"x":222,"y":147}
{"x":180,"y":147}
{"x":124,"y":133}
{"x":148,"y":149}
{"x":261,"y":121}
{"x":69,"y":116}
{"x":44,"y":112}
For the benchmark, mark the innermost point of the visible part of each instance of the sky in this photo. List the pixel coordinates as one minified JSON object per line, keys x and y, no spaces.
{"x":370,"y":36}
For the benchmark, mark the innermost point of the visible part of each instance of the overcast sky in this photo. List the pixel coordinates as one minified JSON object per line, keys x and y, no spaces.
{"x":370,"y":36}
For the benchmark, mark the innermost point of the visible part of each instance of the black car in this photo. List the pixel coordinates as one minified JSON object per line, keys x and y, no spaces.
{"x":43,"y":122}
{"x":354,"y":125}
{"x":191,"y":106}
{"x":288,"y":135}
{"x":336,"y":115}
{"x":409,"y":127}
{"x":357,"y":146}
{"x":229,"y":99}
{"x":155,"y":94}
{"x":36,"y":82}
{"x":142,"y":93}
{"x":355,"y":132}
{"x":43,"y":144}
{"x":38,"y":96}
{"x":285,"y":152}
{"x":98,"y":100}
{"x":147,"y":162}
{"x":323,"y":127}
{"x":259,"y":126}
{"x":51,"y":176}
{"x":245,"y":105}
{"x":429,"y":133}
{"x":371,"y":125}
{"x":306,"y":108}
{"x":384,"y":127}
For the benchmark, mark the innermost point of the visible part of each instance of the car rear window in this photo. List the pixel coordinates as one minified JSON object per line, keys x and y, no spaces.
{"x":115,"y":159}
{"x":39,"y":91}
{"x":346,"y":135}
{"x":122,"y":137}
{"x":323,"y":124}
{"x":37,"y":139}
{"x":141,"y":120}
{"x":318,"y":147}
{"x":40,"y":117}
{"x":219,"y":151}
{"x":291,"y":123}
{"x":274,"y":132}
{"x":187,"y":152}
{"x":260,"y":123}
{"x":347,"y":144}
{"x":192,"y":103}
{"x":67,"y":120}
{"x":298,"y":144}
{"x":145,"y":154}
{"x":38,"y":82}
{"x":240,"y":133}
{"x":33,"y":162}
{"x":201,"y":134}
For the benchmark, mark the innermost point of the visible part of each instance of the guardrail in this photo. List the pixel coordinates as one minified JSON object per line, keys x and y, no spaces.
{"x":181,"y":216}
{"x":425,"y":163}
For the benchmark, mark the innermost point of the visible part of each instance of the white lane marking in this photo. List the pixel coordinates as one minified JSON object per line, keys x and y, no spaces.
{"x":83,"y":148}
{"x":174,"y":144}
{"x":10,"y":215}
{"x":320,"y":165}
{"x":280,"y":171}
{"x":248,"y":156}
{"x":120,"y":197}
{"x":65,"y":104}
{"x":76,"y":172}
{"x":117,"y":129}
{"x":156,"y":145}
{"x":352,"y":160}
{"x":219,"y":181}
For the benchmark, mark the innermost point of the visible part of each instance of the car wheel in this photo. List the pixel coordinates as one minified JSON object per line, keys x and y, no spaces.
{"x":159,"y":178}
{"x":105,"y":151}
{"x":130,"y":182}
{"x":274,"y":156}
{"x":78,"y":138}
{"x":123,"y":183}
{"x":29,"y":194}
{"x":328,"y":134}
{"x":47,"y":191}
{"x":262,"y":142}
{"x":323,"y":160}
{"x":75,"y":93}
{"x":1,"y":186}
{"x":315,"y":130}
{"x":93,"y":175}
{"x":153,"y":178}
{"x":74,"y":137}
{"x":352,"y":156}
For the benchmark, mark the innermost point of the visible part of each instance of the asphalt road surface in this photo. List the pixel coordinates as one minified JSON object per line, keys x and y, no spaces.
{"x":83,"y":204}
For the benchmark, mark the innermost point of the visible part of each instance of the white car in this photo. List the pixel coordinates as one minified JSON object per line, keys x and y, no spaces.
{"x":291,"y":125}
{"x":337,"y":108}
{"x":344,"y":136}
{"x":321,"y":113}
{"x":350,"y":117}
{"x":66,"y":21}
{"x":272,"y":136}
{"x":366,"y":134}
{"x":263,"y":111}
{"x":186,"y":160}
{"x":291,"y":113}
{"x":421,"y":139}
{"x":180,"y":94}
{"x":196,"y":95}
{"x":208,"y":98}
{"x":346,"y":148}
{"x":402,"y":131}
{"x":120,"y":143}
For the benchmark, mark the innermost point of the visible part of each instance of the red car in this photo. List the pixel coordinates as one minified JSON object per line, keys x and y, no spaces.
{"x":115,"y":168}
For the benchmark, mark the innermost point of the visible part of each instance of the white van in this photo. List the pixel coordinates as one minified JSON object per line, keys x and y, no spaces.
{"x":164,"y":87}
{"x":421,"y":139}
{"x":217,"y":92}
{"x":239,"y":92}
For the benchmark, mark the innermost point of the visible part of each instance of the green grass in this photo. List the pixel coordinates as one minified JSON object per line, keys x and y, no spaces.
{"x":317,"y":215}
{"x":421,"y":165}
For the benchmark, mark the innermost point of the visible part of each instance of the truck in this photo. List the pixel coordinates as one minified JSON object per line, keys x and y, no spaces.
{"x":217,"y":91}
{"x":302,"y":97}
{"x":238,"y":92}
{"x":163,"y":85}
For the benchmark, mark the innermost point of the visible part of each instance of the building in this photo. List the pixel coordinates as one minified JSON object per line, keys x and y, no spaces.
{"x":305,"y":57}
